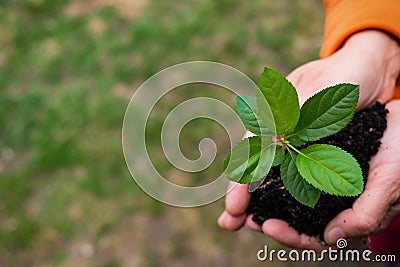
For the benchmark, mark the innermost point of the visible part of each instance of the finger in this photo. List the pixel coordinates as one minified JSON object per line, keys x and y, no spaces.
{"x":252,"y":224}
{"x":237,"y":199}
{"x":369,"y":213}
{"x":232,"y":223}
{"x":364,"y":218}
{"x":221,"y":220}
{"x":288,"y":236}
{"x":238,"y":195}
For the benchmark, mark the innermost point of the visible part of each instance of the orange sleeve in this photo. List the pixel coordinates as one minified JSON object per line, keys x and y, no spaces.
{"x":346,"y":17}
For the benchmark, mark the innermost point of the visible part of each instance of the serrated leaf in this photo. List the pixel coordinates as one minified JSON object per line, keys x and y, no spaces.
{"x":327,"y":112}
{"x":250,"y":160}
{"x":279,"y":156}
{"x":226,"y":161}
{"x":282,"y":99}
{"x":264,"y":114}
{"x":247,"y":107}
{"x":330,"y":169}
{"x":297,"y":186}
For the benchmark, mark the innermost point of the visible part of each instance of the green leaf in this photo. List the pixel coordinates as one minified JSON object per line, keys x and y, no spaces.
{"x":250,"y":160}
{"x":330,"y":169}
{"x":264,"y":114}
{"x":297,"y":186}
{"x":246,"y":106}
{"x":327,"y":112}
{"x":295,"y":140}
{"x":279,"y":156}
{"x":282,"y":99}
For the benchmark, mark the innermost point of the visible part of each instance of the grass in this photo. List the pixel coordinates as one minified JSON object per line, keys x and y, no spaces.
{"x":67,"y":77}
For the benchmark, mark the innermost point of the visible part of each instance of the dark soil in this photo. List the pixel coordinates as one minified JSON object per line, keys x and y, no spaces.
{"x":271,"y":200}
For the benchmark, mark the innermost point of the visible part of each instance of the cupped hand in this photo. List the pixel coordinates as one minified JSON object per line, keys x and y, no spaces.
{"x":374,"y":208}
{"x":372,"y":60}
{"x":380,"y":202}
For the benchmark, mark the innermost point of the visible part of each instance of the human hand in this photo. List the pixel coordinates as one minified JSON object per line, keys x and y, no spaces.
{"x":375,"y":57}
{"x":236,"y":202}
{"x":380,"y":202}
{"x":370,"y":59}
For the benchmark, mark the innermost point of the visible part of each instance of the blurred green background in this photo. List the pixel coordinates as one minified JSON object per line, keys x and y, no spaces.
{"x":67,"y":71}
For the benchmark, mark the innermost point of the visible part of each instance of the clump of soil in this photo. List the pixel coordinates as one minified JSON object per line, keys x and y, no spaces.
{"x":361,"y":138}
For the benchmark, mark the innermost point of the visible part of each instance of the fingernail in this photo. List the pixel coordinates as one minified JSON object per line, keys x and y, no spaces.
{"x":334,"y":234}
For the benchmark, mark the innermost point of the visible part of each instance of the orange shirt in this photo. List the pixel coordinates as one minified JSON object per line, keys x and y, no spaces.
{"x":345,"y":17}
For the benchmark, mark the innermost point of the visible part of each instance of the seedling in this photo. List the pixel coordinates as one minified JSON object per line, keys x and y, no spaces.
{"x":282,"y":131}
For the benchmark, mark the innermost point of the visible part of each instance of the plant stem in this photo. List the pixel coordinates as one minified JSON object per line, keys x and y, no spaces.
{"x":292,"y":147}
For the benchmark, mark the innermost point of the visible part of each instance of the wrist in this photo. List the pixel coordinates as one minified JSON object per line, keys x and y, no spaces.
{"x":374,"y":43}
{"x":379,"y":52}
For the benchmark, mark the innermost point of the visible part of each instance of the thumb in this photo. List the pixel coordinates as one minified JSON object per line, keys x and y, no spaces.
{"x":365,"y":217}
